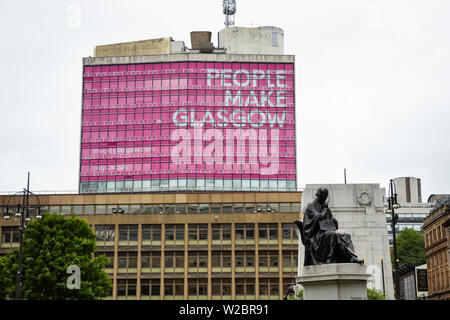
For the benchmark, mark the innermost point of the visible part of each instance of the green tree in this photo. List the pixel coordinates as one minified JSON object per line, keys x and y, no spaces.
{"x":410,"y":247}
{"x":50,"y":246}
{"x":373,"y":294}
{"x":7,"y":274}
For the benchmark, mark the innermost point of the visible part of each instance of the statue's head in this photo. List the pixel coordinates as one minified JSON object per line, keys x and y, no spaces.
{"x":322,"y":194}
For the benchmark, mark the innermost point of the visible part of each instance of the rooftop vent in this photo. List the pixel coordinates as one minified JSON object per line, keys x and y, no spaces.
{"x":201,"y":40}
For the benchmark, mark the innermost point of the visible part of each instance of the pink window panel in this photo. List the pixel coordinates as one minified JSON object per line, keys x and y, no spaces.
{"x":88,"y":70}
{"x":147,"y":82}
{"x":146,"y":167}
{"x":139,"y":68}
{"x":148,"y":68}
{"x":182,"y":100}
{"x":209,"y":100}
{"x":156,"y":84}
{"x":105,"y":85}
{"x":84,"y":169}
{"x":165,"y":151}
{"x":97,"y":70}
{"x":87,"y":85}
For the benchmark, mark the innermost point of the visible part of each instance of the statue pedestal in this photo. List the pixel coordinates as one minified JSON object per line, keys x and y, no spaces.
{"x":337,"y":281}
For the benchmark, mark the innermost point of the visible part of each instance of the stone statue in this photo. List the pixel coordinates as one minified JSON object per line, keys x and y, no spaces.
{"x":324,"y":242}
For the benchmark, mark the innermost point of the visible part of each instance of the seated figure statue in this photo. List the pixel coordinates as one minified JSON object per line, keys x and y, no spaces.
{"x":324,"y":242}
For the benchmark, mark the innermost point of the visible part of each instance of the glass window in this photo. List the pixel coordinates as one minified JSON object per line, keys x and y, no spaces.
{"x":238,"y":208}
{"x":100,"y":209}
{"x":250,"y":208}
{"x":66,"y":210}
{"x":181,"y":208}
{"x":146,"y":235}
{"x":227,"y":208}
{"x":285,"y":207}
{"x":147,"y":209}
{"x":203,"y":208}
{"x":146,"y":185}
{"x":158,"y":208}
{"x":78,"y":209}
{"x":180,"y":232}
{"x":123,"y":235}
{"x":215,"y":208}
{"x":89,"y":209}
{"x":227,"y":184}
{"x":133,"y":233}
{"x":169,"y":208}
{"x":156,"y":234}
{"x":272,"y":207}
{"x":192,"y":208}
{"x":135,"y":209}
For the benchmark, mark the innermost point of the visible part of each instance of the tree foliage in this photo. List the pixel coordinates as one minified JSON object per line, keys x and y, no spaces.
{"x":410,"y":247}
{"x":373,"y":294}
{"x":50,"y":246}
{"x":7,"y":276}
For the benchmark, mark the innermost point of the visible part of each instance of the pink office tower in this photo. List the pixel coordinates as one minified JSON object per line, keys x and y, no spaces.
{"x":188,"y":123}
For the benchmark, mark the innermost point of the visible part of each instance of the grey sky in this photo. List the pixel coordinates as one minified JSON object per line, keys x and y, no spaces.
{"x":372,"y":81}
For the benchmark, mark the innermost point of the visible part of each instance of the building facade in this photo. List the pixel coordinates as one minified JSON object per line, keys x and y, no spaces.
{"x":159,"y":117}
{"x":436,"y":228}
{"x":222,"y":245}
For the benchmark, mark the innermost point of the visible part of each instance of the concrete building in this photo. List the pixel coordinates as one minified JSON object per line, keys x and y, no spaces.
{"x":260,"y":40}
{"x":359,"y":211}
{"x":157,"y":116}
{"x":436,"y":228}
{"x":409,"y":189}
{"x":209,"y":245}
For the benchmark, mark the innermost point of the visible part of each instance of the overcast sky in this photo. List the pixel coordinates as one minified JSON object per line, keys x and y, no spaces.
{"x":372,"y":81}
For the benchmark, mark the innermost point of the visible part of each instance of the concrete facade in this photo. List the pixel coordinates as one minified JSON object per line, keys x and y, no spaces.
{"x":261,"y":40}
{"x":135,"y":48}
{"x":359,"y":211}
{"x":409,"y":189}
{"x":191,"y":246}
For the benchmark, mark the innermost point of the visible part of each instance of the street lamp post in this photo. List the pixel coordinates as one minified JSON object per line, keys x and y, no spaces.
{"x":392,"y":205}
{"x":23,"y":211}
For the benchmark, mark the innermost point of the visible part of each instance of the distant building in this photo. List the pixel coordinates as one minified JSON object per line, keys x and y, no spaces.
{"x":436,"y":198}
{"x":412,"y":210}
{"x":436,"y":228}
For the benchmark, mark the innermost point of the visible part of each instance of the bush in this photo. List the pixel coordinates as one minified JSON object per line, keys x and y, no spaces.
{"x":375,"y":295}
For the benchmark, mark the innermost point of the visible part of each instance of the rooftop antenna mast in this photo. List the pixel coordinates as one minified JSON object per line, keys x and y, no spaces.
{"x":229,"y":10}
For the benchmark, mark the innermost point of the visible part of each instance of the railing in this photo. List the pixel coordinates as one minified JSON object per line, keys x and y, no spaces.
{"x":129,"y":190}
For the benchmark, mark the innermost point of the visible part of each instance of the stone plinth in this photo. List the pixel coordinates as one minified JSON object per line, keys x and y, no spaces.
{"x":340,"y":281}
